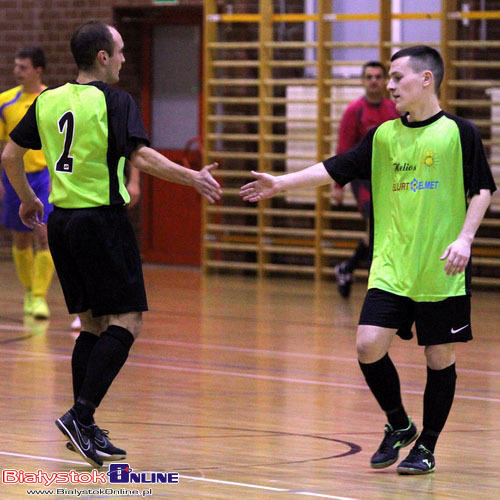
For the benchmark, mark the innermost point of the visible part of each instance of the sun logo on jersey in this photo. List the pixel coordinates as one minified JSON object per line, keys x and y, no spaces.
{"x":429,"y":159}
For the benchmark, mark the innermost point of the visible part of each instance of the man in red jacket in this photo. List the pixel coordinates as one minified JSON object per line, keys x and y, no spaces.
{"x":361,"y":115}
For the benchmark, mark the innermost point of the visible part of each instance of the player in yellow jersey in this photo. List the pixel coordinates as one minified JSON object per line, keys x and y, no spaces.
{"x":30,"y":249}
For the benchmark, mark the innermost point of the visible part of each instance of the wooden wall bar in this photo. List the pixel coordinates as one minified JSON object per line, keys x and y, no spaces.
{"x":268,"y":107}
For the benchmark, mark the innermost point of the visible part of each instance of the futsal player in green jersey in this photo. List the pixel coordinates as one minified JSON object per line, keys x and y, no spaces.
{"x":431,"y":186}
{"x":87,"y":130}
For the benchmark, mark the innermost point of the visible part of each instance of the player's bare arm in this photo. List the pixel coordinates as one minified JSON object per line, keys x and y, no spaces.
{"x":31,"y":209}
{"x":134,"y":187}
{"x":150,"y":161}
{"x":267,"y":186}
{"x":457,"y":254}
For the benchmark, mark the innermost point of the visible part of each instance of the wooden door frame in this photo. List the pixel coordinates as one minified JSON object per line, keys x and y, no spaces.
{"x":173,"y":15}
{"x":162,"y":15}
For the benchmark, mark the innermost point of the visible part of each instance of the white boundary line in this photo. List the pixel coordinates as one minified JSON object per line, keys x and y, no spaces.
{"x":249,"y":350}
{"x":288,"y":354}
{"x":15,"y":328}
{"x":48,"y":459}
{"x":227,"y":373}
{"x":268,"y":488}
{"x":287,"y":379}
{"x":194,"y":478}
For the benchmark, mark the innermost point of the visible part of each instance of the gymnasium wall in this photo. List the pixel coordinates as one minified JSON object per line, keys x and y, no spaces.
{"x":50,"y":24}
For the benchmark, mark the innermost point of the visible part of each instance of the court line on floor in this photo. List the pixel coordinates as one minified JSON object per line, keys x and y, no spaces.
{"x":194,"y":478}
{"x":14,"y":328}
{"x":286,"y":379}
{"x":290,"y":354}
{"x":268,"y":352}
{"x":268,"y":488}
{"x":228,"y":373}
{"x":37,"y":457}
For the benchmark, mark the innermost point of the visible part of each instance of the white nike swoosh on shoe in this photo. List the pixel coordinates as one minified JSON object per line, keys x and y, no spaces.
{"x":459,"y":329}
{"x":85,"y":442}
{"x":100,"y":442}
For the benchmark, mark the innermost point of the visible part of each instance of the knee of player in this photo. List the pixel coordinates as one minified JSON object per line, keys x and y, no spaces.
{"x":439,"y":357}
{"x":369,"y":350}
{"x":136,"y":327}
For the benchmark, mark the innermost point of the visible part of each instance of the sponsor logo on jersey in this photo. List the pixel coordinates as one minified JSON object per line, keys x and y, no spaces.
{"x":404,"y":167}
{"x":415,"y":185}
{"x":429,"y":159}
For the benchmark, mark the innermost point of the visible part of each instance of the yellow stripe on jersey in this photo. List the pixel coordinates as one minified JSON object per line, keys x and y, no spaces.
{"x":13,"y":105}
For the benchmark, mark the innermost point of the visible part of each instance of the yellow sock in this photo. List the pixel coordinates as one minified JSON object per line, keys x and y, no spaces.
{"x":23,"y":261}
{"x":43,"y":269}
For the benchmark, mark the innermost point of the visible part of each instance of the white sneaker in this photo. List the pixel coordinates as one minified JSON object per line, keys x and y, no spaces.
{"x":76,"y":323}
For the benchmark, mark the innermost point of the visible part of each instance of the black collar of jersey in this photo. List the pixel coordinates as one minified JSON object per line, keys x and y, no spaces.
{"x":423,"y":123}
{"x":95,"y":83}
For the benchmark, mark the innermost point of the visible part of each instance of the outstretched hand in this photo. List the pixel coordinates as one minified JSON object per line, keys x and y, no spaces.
{"x":206,"y":185}
{"x":264,"y":187}
{"x":31,"y":213}
{"x":457,"y":255}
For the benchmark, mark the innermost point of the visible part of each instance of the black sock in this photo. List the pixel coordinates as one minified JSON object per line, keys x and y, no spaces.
{"x":84,"y":411}
{"x":361,"y":253}
{"x":81,"y":353}
{"x":383,"y":380}
{"x":106,"y":360}
{"x":438,"y":398}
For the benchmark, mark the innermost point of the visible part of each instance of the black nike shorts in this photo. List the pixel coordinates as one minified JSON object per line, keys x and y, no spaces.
{"x":436,"y":323}
{"x":97,"y":260}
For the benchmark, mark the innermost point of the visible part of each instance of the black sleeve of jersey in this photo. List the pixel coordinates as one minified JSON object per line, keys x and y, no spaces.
{"x":477,"y":172}
{"x":125,"y":123}
{"x":25,"y":133}
{"x":136,"y":133}
{"x":356,"y":163}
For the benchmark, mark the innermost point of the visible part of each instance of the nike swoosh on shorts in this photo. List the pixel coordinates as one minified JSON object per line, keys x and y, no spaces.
{"x":459,"y":329}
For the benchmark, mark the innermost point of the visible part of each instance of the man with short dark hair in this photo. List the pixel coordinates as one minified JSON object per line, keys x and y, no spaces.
{"x":30,"y":249}
{"x":87,"y":130}
{"x":423,"y":169}
{"x":370,"y":110}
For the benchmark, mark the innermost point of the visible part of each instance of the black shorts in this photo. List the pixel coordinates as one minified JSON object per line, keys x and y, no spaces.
{"x":440,"y":322}
{"x":97,"y":260}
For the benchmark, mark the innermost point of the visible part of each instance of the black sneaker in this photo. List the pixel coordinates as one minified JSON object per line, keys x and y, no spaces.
{"x":103,"y":446}
{"x":81,"y":437}
{"x":344,"y":279}
{"x":388,"y":450}
{"x":419,"y":461}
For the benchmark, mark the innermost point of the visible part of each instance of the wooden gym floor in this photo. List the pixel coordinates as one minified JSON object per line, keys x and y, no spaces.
{"x":249,"y":389}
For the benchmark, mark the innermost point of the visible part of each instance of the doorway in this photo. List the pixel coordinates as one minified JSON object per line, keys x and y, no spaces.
{"x":171,"y":105}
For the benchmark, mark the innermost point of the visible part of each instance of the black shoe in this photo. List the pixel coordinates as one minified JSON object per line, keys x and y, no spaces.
{"x":103,"y":446}
{"x":344,"y":279}
{"x":388,"y":450}
{"x":419,"y":461}
{"x":81,"y":437}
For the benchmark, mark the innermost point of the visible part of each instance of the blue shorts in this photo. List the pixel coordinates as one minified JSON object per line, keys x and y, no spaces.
{"x":40,"y":183}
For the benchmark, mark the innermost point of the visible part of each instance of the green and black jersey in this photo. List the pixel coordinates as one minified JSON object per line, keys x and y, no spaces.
{"x":86,"y":132}
{"x":422,"y":174}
